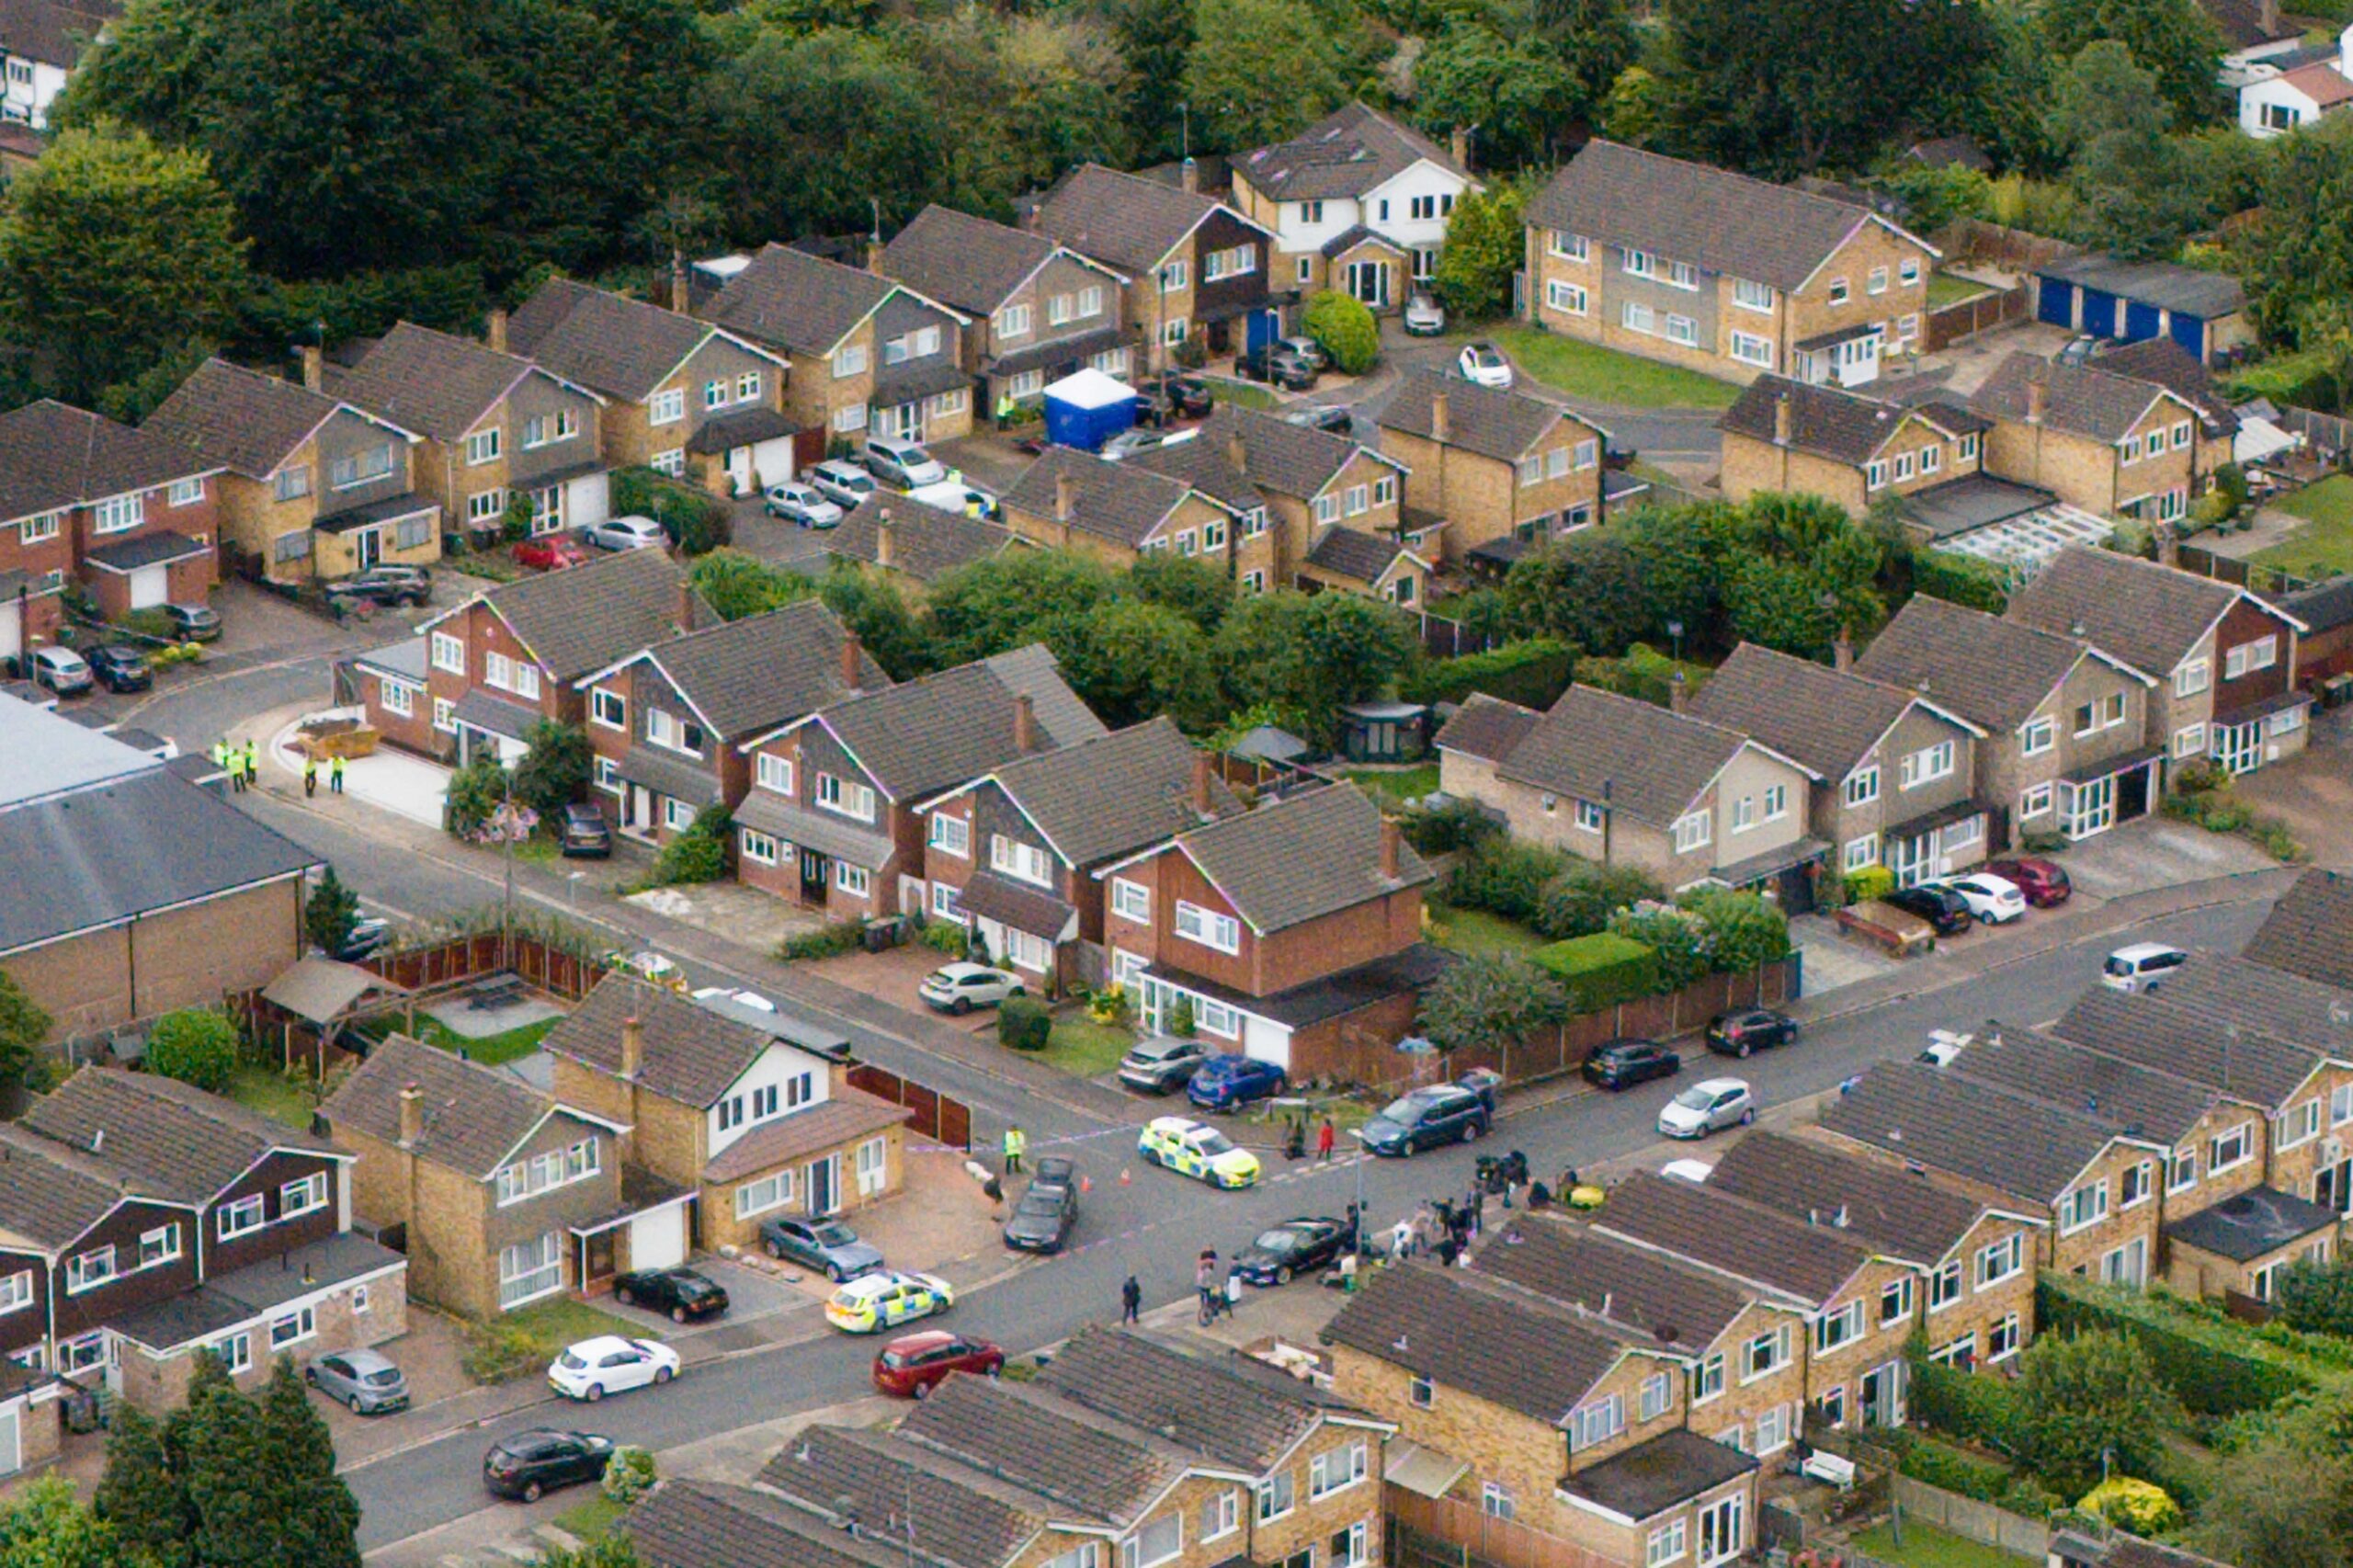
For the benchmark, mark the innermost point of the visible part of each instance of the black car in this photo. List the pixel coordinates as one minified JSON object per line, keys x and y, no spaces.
{"x":1048,"y":1209}
{"x":385,"y":585}
{"x":1942,"y":908}
{"x":1751,"y":1029}
{"x":1428,"y":1116}
{"x":120,"y":667}
{"x":1322,"y":416}
{"x":1164,"y":1065}
{"x":1621,"y":1064}
{"x":585,"y":834}
{"x":533,"y":1462}
{"x":194,"y":623}
{"x":1292,"y":1248}
{"x":681,"y":1293}
{"x":365,"y":935}
{"x":1279,"y":366}
{"x":1172,"y":396}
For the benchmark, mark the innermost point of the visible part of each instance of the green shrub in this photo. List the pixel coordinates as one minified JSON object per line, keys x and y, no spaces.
{"x":696,"y":521}
{"x":2199,"y":777}
{"x":1871,"y":881}
{"x":474,"y":792}
{"x":1941,"y":1464}
{"x":629,"y":1475}
{"x":1458,"y":825}
{"x":1180,"y":1017}
{"x":2029,"y":1498}
{"x":700,"y":854}
{"x":1678,"y":938}
{"x":1532,"y":673}
{"x":2043,"y":841}
{"x":1967,"y":1405}
{"x":1961,"y":579}
{"x":2307,"y":377}
{"x":2215,"y":1366}
{"x":148,"y":623}
{"x":2132,"y":1505}
{"x":1344,"y":328}
{"x":1641,"y":672}
{"x":1600,"y":971}
{"x":947,"y":936}
{"x":1745,"y":930}
{"x":1506,"y":877}
{"x":195,"y":1045}
{"x":1580,"y":901}
{"x":502,"y":1350}
{"x":1024,"y":1023}
{"x":1112,"y":1005}
{"x":826,"y":942}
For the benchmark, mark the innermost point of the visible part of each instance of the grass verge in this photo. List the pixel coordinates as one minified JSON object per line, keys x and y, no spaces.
{"x":1925,"y":1546}
{"x":589,"y":1518}
{"x":273,"y":1094}
{"x":1083,"y":1048}
{"x":1604,"y":375}
{"x":521,"y":1342}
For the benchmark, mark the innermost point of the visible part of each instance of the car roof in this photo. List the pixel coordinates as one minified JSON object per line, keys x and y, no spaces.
{"x":929,"y":1339}
{"x":601,"y":1345}
{"x":1718,"y":1086}
{"x":363,"y":1360}
{"x":1176,"y":1126}
{"x":2144,"y":951}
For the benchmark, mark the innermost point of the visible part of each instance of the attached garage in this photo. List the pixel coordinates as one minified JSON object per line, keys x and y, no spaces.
{"x":2134,"y":302}
{"x":755,"y":446}
{"x":137,"y":573}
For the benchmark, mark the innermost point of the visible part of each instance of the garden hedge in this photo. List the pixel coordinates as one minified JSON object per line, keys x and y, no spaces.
{"x":1531,"y":673}
{"x":1967,"y":1405}
{"x":2215,"y":1366}
{"x":1600,"y":971}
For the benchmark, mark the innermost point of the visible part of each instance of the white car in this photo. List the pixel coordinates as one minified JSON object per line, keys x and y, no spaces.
{"x":1994,"y":900}
{"x":1708,"y":1106}
{"x":799,"y":505}
{"x":844,"y":483}
{"x":609,"y":1364}
{"x":751,"y":999}
{"x":2141,"y":966}
{"x":959,"y":987}
{"x":1943,"y":1046}
{"x":1128,"y":443}
{"x":902,"y":464}
{"x":1485,"y":364}
{"x":628,"y":533}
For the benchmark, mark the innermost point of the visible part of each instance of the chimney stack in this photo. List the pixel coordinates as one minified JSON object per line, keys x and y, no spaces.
{"x":1781,"y":420}
{"x":1237,"y":453}
{"x":883,"y":539}
{"x":1188,"y":176}
{"x":314,"y":367}
{"x":2038,"y":399}
{"x":1441,"y":419}
{"x":632,"y":1047}
{"x":495,"y":331}
{"x":411,"y":1115}
{"x":1842,"y":651}
{"x":1201,"y":774}
{"x":849,"y":659}
{"x":1678,"y":692}
{"x":1458,"y":143}
{"x":1065,"y":497}
{"x":678,"y":281}
{"x":686,"y":603}
{"x":1025,"y":723}
{"x":1389,"y":851}
{"x":2168,"y":546}
{"x":874,"y":253}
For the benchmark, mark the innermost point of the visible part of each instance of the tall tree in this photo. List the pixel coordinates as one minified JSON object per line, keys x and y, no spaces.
{"x":1594,"y":40}
{"x":140,"y":1496}
{"x":2174,"y":41}
{"x":1129,"y":660}
{"x":871,"y":605}
{"x":329,"y":914}
{"x":1491,"y":1002}
{"x":2299,"y":269}
{"x":1154,"y":40}
{"x":1311,"y":653}
{"x":24,"y":1030}
{"x":1519,"y":94}
{"x":2090,"y":1402}
{"x":1006,"y":600}
{"x":1261,"y":71}
{"x":1486,"y":244}
{"x":48,"y":1526}
{"x":315,"y":1518}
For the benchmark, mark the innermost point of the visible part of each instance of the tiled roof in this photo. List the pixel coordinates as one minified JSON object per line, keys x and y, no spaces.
{"x":431,"y":383}
{"x":2078,"y":399}
{"x":969,"y":1517}
{"x":960,"y":260}
{"x":474,"y":1115}
{"x":1747,"y":1241}
{"x":2309,"y":931}
{"x":1825,"y":718}
{"x":1494,"y":1341}
{"x":926,"y":541}
{"x":1892,"y":1211}
{"x":801,"y":302}
{"x":1288,"y":863}
{"x":1489,"y":421}
{"x":2176,"y":1031}
{"x":1052,"y":1444}
{"x":1238,"y":1411}
{"x":1652,"y":1476}
{"x":1352,"y":554}
{"x":1675,"y":1304}
{"x":1120,"y":219}
{"x":589,"y":616}
{"x":608,"y":342}
{"x":175,"y":1138}
{"x":1486,"y":727}
{"x":52,"y":33}
{"x":2149,"y":616}
{"x":2012,"y":1142}
{"x":2143,"y":1101}
{"x":693,"y":1054}
{"x":950,"y":728}
{"x":1291,"y":460}
{"x":2311,"y":1013}
{"x":2166,"y":362}
{"x":1122,"y":502}
{"x":845,"y":1116}
{"x":2185,"y":290}
{"x":2243,"y":25}
{"x":1708,"y":217}
{"x":1649,"y":762}
{"x":239,"y":419}
{"x":1825,"y":420}
{"x":53,"y":456}
{"x":1992,"y":672}
{"x":753,"y":674}
{"x":1109,"y":797}
{"x":1347,"y":153}
{"x":50,"y":1194}
{"x":684,"y":1523}
{"x":2323,"y":609}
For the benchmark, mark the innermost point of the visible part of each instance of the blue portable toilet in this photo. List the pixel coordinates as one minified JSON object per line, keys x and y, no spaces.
{"x":1086,"y":408}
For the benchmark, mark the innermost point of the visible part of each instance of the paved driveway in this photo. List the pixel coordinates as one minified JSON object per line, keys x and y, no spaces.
{"x":2157,"y":853}
{"x":2313,"y":794}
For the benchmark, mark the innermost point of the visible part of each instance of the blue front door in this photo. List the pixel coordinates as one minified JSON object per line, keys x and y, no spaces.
{"x":1263,"y":328}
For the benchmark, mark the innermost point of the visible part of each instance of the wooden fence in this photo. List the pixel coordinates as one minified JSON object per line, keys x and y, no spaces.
{"x":2013,"y":250}
{"x":1565,"y":1049}
{"x":1444,"y":639}
{"x":1441,"y":1532}
{"x":943,"y":1120}
{"x":1979,"y":312}
{"x":1981,"y":1522}
{"x":2238,"y":572}
{"x":537,"y":964}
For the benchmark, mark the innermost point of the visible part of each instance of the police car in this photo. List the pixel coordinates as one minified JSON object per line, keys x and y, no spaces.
{"x":886,"y":1298}
{"x":1194,"y":1149}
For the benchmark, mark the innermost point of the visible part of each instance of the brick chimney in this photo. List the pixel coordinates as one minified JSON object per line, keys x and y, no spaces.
{"x":884,"y":538}
{"x":1025,"y":723}
{"x":1065,"y":497}
{"x":315,"y":366}
{"x":2038,"y":400}
{"x":849,"y":659}
{"x":411,"y":1115}
{"x":632,"y":1047}
{"x":1389,"y":851}
{"x":1458,"y":144}
{"x":685,"y":604}
{"x":1441,"y":419}
{"x":1203,"y":805}
{"x":678,"y":281}
{"x":1842,"y":653}
{"x":874,"y":252}
{"x":495,"y":331}
{"x":1678,"y":692}
{"x":1781,"y":420}
{"x":1237,"y":453}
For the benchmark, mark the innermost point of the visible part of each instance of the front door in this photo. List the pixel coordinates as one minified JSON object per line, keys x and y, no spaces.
{"x":824,"y":1185}
{"x":368,"y":544}
{"x":638,"y":809}
{"x":814,"y":868}
{"x":2238,"y":748}
{"x":1910,"y":860}
{"x":1858,"y":360}
{"x":904,"y":420}
{"x":1369,"y":281}
{"x":598,"y":1263}
{"x":1883,"y":1395}
{"x":2086,"y":809}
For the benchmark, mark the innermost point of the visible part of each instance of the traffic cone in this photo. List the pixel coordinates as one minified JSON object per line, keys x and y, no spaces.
{"x":1085,"y":1185}
{"x":1123,"y":1176}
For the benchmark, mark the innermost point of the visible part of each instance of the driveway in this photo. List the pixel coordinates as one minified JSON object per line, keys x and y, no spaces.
{"x":896,"y":975}
{"x":2313,"y":794}
{"x":2157,"y":853}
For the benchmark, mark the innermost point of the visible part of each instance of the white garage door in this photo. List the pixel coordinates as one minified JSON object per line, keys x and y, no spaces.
{"x":11,"y":631}
{"x":12,"y":1458}
{"x":658,"y":1240}
{"x":150,"y":585}
{"x":773,"y":459}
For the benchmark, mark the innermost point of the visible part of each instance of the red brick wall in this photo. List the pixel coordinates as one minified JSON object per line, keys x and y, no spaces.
{"x":2247,"y":622}
{"x":415,"y":733}
{"x":484,"y":632}
{"x":1263,"y":966}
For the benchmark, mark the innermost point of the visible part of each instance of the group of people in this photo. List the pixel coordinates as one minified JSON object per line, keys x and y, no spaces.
{"x":239,"y":762}
{"x":310,"y":776}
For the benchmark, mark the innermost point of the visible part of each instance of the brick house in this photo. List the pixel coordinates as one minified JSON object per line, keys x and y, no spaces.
{"x":506,"y":1195}
{"x":911,"y":544}
{"x":875,"y":356}
{"x":681,"y":395}
{"x":719,"y":1103}
{"x":1531,"y":1411}
{"x":514,"y":656}
{"x":1356,"y":202}
{"x":493,"y":426}
{"x":2112,"y":444}
{"x":1628,"y":783}
{"x":1895,"y":774}
{"x":146,"y":1221}
{"x":2224,"y":659}
{"x":664,"y":723}
{"x":390,"y":683}
{"x":1037,"y":311}
{"x":1197,"y":265}
{"x":833,"y":818}
{"x":1013,"y":853}
{"x":2064,"y":721}
{"x":311,"y":487}
{"x":1720,"y":273}
{"x":1291,"y":931}
{"x":1782,"y":435}
{"x":1484,"y":466}
{"x":1116,"y":511}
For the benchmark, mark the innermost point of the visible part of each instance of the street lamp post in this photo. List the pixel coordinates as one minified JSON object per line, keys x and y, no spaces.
{"x":1674,"y":634}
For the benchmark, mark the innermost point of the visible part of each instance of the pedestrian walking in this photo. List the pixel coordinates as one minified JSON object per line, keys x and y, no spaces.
{"x":1131,"y":1300}
{"x":1205,"y":1282}
{"x":253,"y":763}
{"x":237,"y":769}
{"x":310,"y":778}
{"x":1232,"y":1290}
{"x":993,"y":1190}
{"x":1016,"y":1143}
{"x":1323,"y":1135}
{"x":335,"y":775}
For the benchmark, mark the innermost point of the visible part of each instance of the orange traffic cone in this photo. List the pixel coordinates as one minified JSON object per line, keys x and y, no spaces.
{"x":1123,"y":1176}
{"x":1086,"y":1184}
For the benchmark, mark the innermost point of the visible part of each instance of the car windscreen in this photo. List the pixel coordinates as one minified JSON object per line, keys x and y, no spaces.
{"x":570,"y":1362}
{"x":833,"y":1236}
{"x":382,"y":1380}
{"x":1695,"y":1099}
{"x":1162,"y":1050}
{"x":1276,"y":1241}
{"x":1214,"y":1145}
{"x":2119,"y":966}
{"x":1407,"y":1109}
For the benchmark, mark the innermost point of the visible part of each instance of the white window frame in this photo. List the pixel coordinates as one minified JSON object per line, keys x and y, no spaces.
{"x":1013,"y":321}
{"x":544,"y":1277}
{"x":1569,"y":299}
{"x":1693,"y":831}
{"x":849,"y":359}
{"x":608,"y":709}
{"x":950,"y":835}
{"x":88,"y":1270}
{"x":666,"y":406}
{"x":2242,"y":1137}
{"x":1566,"y":246}
{"x":1208,"y":927}
{"x":1132,"y":901}
{"x":296,"y":1199}
{"x":758,"y":848}
{"x":2083,"y":1207}
{"x":774,"y":773}
{"x":1751,"y":349}
{"x":240,"y":1218}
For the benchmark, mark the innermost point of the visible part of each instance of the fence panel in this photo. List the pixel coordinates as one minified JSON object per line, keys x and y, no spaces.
{"x":1468,"y":1537}
{"x":1981,"y":1522}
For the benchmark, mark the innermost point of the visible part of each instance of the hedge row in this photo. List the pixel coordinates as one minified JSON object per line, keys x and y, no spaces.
{"x":1600,"y":971}
{"x":1974,"y":1408}
{"x":1531,"y":673}
{"x":2214,"y":1365}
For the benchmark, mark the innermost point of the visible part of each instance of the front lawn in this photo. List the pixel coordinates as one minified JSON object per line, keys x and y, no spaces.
{"x":1604,"y":375}
{"x":1925,"y":1546}
{"x":1944,"y":289}
{"x":520,"y":1344}
{"x":2324,"y":546}
{"x":1396,"y":784}
{"x":492,"y":1051}
{"x":1476,"y":931}
{"x":1083,"y":1048}
{"x":588,"y":1520}
{"x":273,"y":1094}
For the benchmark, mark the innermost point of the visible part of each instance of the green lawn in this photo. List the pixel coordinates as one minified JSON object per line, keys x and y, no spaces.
{"x":1083,"y":1048}
{"x":588,"y":1520}
{"x":273,"y":1095}
{"x":490,"y":1050}
{"x":1925,"y":1546}
{"x":1396,"y":783}
{"x":1476,"y":931}
{"x":1944,"y":289}
{"x":1242,"y":393}
{"x":1604,"y":375}
{"x":2324,"y":547}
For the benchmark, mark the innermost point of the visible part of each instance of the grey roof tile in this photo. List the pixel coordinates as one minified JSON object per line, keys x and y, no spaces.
{"x":1236,"y":1411}
{"x":2149,"y":616}
{"x":2311,"y":1013}
{"x":174,"y":1137}
{"x":1347,"y":153}
{"x":1646,"y":761}
{"x":2309,"y":931}
{"x":1120,"y":219}
{"x":1048,"y":1444}
{"x":1489,"y":421}
{"x":1894,"y":1210}
{"x":751,"y":675}
{"x":686,"y":1523}
{"x":948,"y":728}
{"x":1674,"y":1303}
{"x":2187,"y":291}
{"x":1824,"y":718}
{"x":2079,"y":399}
{"x":926,"y":541}
{"x":53,"y":456}
{"x":1992,"y":672}
{"x":1302,"y":857}
{"x":801,"y":302}
{"x":1486,"y":727}
{"x":1289,"y":459}
{"x":2166,"y":362}
{"x":431,"y":383}
{"x":1827,"y":421}
{"x":846,"y":1115}
{"x":1353,"y":554}
{"x":1122,"y":502}
{"x":241,"y":420}
{"x":50,"y":1194}
{"x":1486,"y":1339}
{"x":2012,"y":1142}
{"x":960,"y":260}
{"x":1105,"y":798}
{"x":1746,"y":1241}
{"x":2204,"y":1041}
{"x":608,"y":342}
{"x":968,"y":1518}
{"x":692,"y":1052}
{"x":2141,"y":1100}
{"x":586,"y":619}
{"x":474,"y":1115}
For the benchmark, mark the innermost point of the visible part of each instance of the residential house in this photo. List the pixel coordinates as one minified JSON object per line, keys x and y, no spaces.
{"x":1037,"y":311}
{"x":1045,"y":823}
{"x":390,"y":683}
{"x":1488,"y":469}
{"x":1116,"y":511}
{"x":41,"y":43}
{"x":686,"y":1523}
{"x":2203,"y":310}
{"x":876,"y":357}
{"x":2306,"y":932}
{"x":494,"y":428}
{"x":161,"y":869}
{"x":833,"y":819}
{"x":679,"y":394}
{"x":1975,"y":1258}
{"x":503,"y":1195}
{"x":1720,"y":273}
{"x":128,"y":513}
{"x":515,"y":654}
{"x":911,"y":544}
{"x":2084,"y":1178}
{"x":1356,"y":202}
{"x":1195,"y":265}
{"x":1782,"y":435}
{"x":665,"y":721}
{"x":1895,"y":775}
{"x":2065,"y":721}
{"x":2223,"y":658}
{"x":311,"y":487}
{"x":722,"y":1103}
{"x":2111,"y":444}
{"x":1521,"y":1409}
{"x":1291,"y":931}
{"x":2325,"y":647}
{"x":1629,"y":783}
{"x":2258,"y":40}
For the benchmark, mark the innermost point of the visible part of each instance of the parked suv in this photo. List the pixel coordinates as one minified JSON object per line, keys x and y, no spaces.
{"x":385,"y":585}
{"x":1429,"y":1116}
{"x":1277,"y":366}
{"x":1229,"y":1083}
{"x":61,"y":670}
{"x":2141,"y":967}
{"x":586,"y":835}
{"x":120,"y":667}
{"x":1750,"y":1029}
{"x":903,"y":463}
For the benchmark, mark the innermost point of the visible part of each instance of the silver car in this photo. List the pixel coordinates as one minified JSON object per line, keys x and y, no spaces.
{"x":1128,"y":443}
{"x":1425,"y":317}
{"x":363,"y":1380}
{"x":800,"y":505}
{"x":628,"y":533}
{"x":841,"y":482}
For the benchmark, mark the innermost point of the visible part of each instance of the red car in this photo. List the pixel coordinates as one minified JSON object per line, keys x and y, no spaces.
{"x":2043,"y":881}
{"x":551,"y":553}
{"x":912,"y":1365}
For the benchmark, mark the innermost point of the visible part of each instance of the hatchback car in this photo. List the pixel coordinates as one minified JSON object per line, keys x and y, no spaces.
{"x":1485,"y":364}
{"x":1171,"y":397}
{"x":1425,"y":317}
{"x":1128,"y":443}
{"x":684,"y":1294}
{"x":2044,"y":882}
{"x":194,"y":623}
{"x":1621,"y":1064}
{"x":584,"y":835}
{"x":365,"y":1380}
{"x":1946,"y":910}
{"x":800,"y":505}
{"x":1229,"y":1083}
{"x":118,"y":666}
{"x":1750,"y":1030}
{"x":841,"y":482}
{"x":2141,"y":967}
{"x":1707,"y":1106}
{"x":551,"y":553}
{"x":827,"y":1245}
{"x":959,"y":988}
{"x":1328,"y":416}
{"x":905,"y":464}
{"x":1994,"y":900}
{"x":628,"y":533}
{"x":1276,"y":366}
{"x":1163,"y":1066}
{"x":1427,"y":1117}
{"x":1306,"y":349}
{"x":609,"y":1364}
{"x":61,"y":670}
{"x":528,"y":1465}
{"x":910,"y":1366}
{"x":1279,"y":1255}
{"x":885,"y":1300}
{"x":385,"y":585}
{"x":1196,"y":1150}
{"x":1046,"y":1213}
